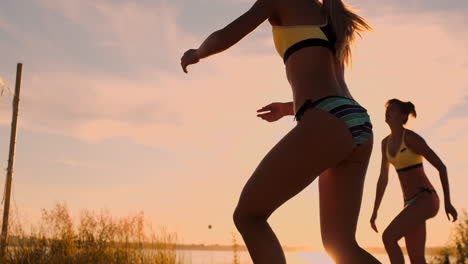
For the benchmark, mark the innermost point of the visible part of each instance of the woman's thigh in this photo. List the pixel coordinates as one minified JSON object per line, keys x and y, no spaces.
{"x":341,"y":191}
{"x":413,"y":216}
{"x":318,"y":142}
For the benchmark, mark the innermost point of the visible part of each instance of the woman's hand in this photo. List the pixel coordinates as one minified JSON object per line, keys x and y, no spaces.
{"x":450,"y":211}
{"x":190,"y":57}
{"x":372,"y":222}
{"x":272,"y":112}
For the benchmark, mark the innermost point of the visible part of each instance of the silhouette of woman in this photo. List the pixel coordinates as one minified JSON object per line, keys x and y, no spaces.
{"x":405,"y":150}
{"x":332,"y":139}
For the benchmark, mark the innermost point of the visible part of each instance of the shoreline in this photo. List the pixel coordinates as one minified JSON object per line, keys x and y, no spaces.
{"x":373,"y":250}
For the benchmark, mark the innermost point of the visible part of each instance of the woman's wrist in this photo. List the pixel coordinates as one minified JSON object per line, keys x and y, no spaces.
{"x":447,"y":201}
{"x":288,"y":108}
{"x":197,"y":54}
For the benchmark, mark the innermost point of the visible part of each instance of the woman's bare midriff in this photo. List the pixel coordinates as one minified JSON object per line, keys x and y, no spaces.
{"x":312,"y":71}
{"x":312,"y":74}
{"x":412,"y":181}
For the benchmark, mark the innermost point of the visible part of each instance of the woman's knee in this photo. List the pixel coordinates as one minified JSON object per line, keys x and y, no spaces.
{"x":243,"y":219}
{"x":238,"y":218}
{"x":338,"y":244}
{"x":389,"y":237}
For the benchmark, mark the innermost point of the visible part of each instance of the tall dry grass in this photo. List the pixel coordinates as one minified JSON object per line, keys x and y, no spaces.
{"x":95,"y":238}
{"x":457,"y":250}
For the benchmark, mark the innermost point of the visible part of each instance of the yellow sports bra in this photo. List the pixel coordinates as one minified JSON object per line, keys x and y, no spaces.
{"x":405,"y":158}
{"x":289,"y":39}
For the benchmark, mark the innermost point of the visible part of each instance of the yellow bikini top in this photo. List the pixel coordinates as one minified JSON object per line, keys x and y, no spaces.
{"x":289,"y":39}
{"x":405,"y":158}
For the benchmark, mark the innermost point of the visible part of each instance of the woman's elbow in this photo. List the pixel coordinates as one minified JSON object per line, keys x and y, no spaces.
{"x":442,"y":169}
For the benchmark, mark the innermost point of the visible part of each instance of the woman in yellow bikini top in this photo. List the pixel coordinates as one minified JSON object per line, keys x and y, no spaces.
{"x":289,"y":39}
{"x":315,"y":57}
{"x":405,"y":158}
{"x":405,"y":149}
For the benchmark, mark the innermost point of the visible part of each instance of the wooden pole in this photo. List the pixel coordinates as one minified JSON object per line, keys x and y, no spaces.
{"x":11,"y":159}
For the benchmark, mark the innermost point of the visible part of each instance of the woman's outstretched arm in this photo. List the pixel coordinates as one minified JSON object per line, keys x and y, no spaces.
{"x":381,"y":184}
{"x":231,"y":34}
{"x":418,"y":144}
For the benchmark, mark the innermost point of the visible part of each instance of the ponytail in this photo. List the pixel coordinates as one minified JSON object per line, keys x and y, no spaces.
{"x":411,"y":109}
{"x":407,"y":108}
{"x":345,"y":23}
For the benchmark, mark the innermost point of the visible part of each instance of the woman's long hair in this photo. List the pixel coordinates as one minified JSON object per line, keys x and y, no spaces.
{"x":345,"y":23}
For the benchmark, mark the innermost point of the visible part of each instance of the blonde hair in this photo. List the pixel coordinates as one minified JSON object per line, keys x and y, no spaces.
{"x":345,"y":23}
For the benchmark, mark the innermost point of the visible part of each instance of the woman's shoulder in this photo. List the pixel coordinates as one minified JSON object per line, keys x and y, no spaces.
{"x":384,"y":142}
{"x":412,"y":138}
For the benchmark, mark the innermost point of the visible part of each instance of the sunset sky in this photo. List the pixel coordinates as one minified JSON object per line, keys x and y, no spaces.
{"x":108,"y":119}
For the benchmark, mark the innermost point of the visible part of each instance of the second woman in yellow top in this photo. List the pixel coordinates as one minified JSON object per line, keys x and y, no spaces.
{"x":405,"y":150}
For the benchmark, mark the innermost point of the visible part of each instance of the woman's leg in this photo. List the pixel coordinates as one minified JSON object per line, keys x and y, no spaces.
{"x":340,"y":202}
{"x":411,"y":218}
{"x":318,"y":142}
{"x":416,"y":243}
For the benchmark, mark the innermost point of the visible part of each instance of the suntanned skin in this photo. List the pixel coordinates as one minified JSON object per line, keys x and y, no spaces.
{"x":320,"y":146}
{"x":411,"y":222}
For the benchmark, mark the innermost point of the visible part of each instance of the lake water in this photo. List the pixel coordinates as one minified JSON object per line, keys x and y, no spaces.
{"x":226,"y":257}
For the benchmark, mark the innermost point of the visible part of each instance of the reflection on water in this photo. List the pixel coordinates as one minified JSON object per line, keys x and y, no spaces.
{"x":226,"y":257}
{"x":309,"y":257}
